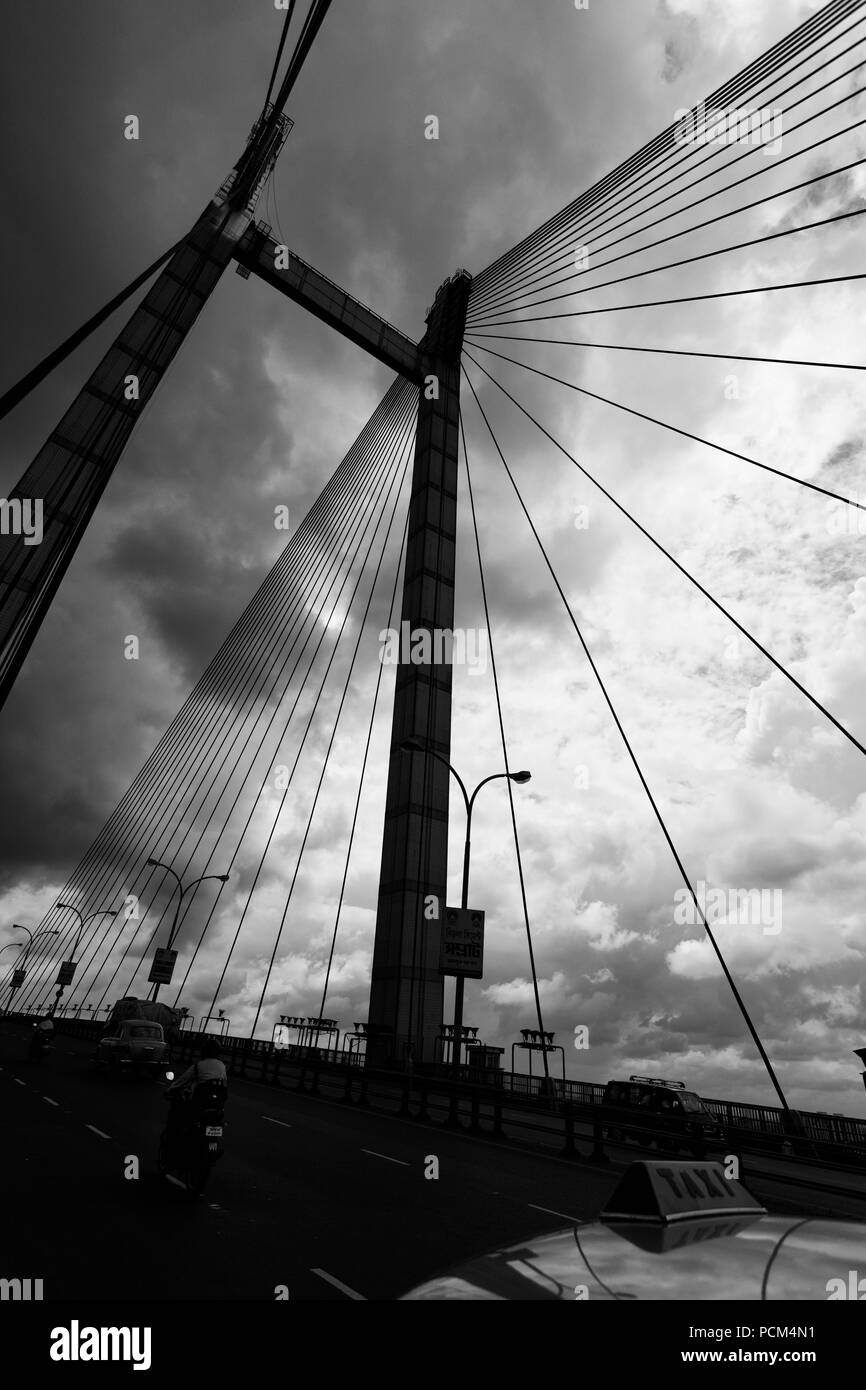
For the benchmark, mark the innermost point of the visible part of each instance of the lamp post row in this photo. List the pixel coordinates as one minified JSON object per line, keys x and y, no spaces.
{"x":409,"y":745}
{"x":107,"y":912}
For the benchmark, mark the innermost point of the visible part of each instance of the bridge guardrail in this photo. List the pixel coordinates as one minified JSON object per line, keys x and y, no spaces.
{"x":760,"y":1128}
{"x":498,"y":1107}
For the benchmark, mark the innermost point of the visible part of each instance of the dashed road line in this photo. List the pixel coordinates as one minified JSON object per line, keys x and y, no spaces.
{"x":176,"y":1181}
{"x":50,"y":1101}
{"x":17,"y":1082}
{"x":97,"y":1131}
{"x":276,"y":1122}
{"x":338,"y":1283}
{"x":387,"y":1157}
{"x":576,"y":1219}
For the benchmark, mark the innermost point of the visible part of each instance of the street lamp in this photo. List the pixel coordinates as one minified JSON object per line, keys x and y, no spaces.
{"x":103,"y":912}
{"x":16,"y":926}
{"x":158,"y":864}
{"x":31,"y":937}
{"x":416,"y":745}
{"x":68,"y":907}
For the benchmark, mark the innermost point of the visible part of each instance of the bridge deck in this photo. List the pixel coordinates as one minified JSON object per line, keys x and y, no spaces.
{"x":307,"y":1184}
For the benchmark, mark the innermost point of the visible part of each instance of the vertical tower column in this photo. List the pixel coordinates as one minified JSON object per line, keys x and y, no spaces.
{"x":72,"y":469}
{"x":407,"y":991}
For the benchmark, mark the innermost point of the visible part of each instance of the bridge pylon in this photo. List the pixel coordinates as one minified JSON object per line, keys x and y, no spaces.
{"x":64,"y":483}
{"x":407,"y":991}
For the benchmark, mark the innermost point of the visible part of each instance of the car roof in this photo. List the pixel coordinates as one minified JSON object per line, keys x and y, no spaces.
{"x":709,"y":1258}
{"x":658,"y":1086}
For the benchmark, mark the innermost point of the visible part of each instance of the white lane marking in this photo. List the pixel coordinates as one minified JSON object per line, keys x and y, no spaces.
{"x":50,"y":1101}
{"x":386,"y":1157}
{"x":19,"y":1083}
{"x":338,"y":1284}
{"x":551,"y":1212}
{"x":276,"y":1122}
{"x":97,"y":1131}
{"x":177,"y":1182}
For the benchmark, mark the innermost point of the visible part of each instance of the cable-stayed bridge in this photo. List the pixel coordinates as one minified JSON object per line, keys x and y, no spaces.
{"x":378,"y":549}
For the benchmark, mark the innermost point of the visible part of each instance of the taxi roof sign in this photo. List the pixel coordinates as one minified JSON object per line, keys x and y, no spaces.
{"x":678,"y":1191}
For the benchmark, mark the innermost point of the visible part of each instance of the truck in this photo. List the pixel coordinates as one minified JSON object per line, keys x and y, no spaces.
{"x":148,"y":1010}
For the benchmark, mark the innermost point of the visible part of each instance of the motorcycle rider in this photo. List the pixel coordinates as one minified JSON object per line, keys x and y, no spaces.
{"x":43,"y":1036}
{"x":209,"y":1069}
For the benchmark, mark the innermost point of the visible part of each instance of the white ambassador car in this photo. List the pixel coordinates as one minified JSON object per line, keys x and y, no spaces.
{"x":134,"y":1045}
{"x":670,"y":1231}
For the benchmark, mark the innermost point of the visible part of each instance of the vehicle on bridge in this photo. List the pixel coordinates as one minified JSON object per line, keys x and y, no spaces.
{"x":134,"y":1044}
{"x":671,"y":1230}
{"x":147,"y":1010}
{"x":675,"y":1117}
{"x":191,"y":1142}
{"x":41,"y":1040}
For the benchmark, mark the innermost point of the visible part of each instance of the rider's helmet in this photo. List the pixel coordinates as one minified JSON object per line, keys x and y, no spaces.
{"x":211,"y":1048}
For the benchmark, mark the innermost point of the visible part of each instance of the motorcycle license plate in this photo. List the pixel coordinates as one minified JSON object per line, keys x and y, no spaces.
{"x":212,"y":1131}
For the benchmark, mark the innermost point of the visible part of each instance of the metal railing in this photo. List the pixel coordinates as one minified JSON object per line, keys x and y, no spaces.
{"x":761,"y":1126}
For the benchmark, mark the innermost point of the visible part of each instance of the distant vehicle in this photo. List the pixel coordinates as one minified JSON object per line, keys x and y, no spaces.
{"x":41,"y":1044}
{"x":679,"y":1117}
{"x":134,"y":1044}
{"x":147,"y":1010}
{"x":672,"y":1230}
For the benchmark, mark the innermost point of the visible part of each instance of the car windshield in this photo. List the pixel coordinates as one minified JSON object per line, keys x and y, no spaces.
{"x":145,"y":1030}
{"x":691,"y":1102}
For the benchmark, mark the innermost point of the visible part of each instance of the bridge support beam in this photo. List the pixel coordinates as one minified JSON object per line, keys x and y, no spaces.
{"x":66,"y":480}
{"x":407,"y":991}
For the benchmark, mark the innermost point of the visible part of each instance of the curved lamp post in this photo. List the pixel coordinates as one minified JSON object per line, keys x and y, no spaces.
{"x":102,"y":912}
{"x":417,"y":745}
{"x":31,"y":937}
{"x":158,"y":864}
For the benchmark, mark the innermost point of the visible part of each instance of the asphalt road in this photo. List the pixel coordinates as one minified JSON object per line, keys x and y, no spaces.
{"x":327,"y":1200}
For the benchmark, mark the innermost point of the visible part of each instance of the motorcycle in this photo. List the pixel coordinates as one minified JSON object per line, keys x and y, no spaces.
{"x":191,"y":1142}
{"x":40,"y":1045}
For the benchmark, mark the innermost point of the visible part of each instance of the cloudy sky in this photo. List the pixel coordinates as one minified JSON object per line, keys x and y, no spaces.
{"x":535,"y":103}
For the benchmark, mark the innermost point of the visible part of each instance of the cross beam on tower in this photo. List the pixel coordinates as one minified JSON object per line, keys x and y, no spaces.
{"x":407,"y":990}
{"x":257,"y":252}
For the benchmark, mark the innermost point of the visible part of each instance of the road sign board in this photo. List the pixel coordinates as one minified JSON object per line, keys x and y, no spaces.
{"x":66,"y":973}
{"x":462,"y":947}
{"x":163,"y":966}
